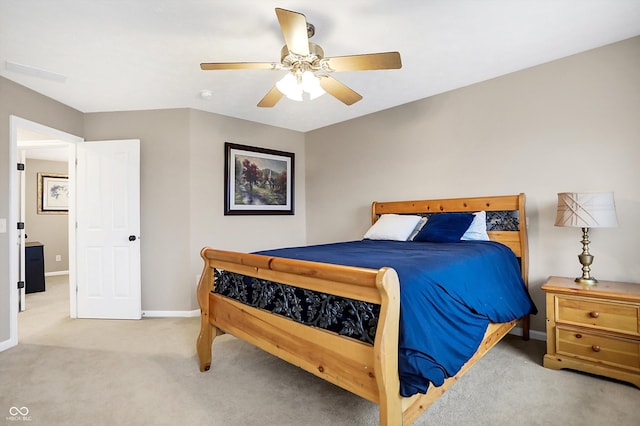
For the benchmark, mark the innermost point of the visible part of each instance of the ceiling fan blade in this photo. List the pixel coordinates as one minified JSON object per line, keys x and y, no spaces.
{"x":271,"y":98}
{"x":339,"y":90}
{"x":294,"y":29}
{"x":213,"y":66}
{"x":371,"y":61}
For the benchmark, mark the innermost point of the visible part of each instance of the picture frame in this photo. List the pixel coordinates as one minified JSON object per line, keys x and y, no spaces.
{"x":53,"y":193}
{"x":258,"y":181}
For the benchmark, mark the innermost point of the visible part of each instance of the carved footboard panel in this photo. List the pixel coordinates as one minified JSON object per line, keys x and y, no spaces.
{"x":347,"y":317}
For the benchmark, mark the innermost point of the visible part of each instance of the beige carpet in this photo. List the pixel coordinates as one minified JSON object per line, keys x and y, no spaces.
{"x":99,"y":372}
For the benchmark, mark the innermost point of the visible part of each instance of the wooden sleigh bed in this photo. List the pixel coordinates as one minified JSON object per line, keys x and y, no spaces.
{"x":367,"y":370}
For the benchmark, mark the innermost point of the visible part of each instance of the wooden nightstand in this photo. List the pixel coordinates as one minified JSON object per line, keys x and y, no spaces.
{"x":594,"y":329}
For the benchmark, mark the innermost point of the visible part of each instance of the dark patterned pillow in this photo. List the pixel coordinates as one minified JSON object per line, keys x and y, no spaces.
{"x":503,"y":220}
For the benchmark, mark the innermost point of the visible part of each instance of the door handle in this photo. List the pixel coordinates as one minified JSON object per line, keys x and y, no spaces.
{"x":132,"y":237}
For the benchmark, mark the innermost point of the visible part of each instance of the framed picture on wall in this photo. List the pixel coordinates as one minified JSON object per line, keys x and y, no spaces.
{"x":257,"y":180}
{"x":53,"y":193}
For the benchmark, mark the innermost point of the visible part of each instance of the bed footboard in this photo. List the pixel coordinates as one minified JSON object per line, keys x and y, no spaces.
{"x":370,"y":371}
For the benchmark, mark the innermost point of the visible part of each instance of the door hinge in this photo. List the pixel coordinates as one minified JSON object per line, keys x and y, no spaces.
{"x":20,"y":225}
{"x":21,"y":167}
{"x":20,"y":284}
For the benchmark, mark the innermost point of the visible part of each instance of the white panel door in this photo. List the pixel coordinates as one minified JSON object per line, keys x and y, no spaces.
{"x":108,"y":229}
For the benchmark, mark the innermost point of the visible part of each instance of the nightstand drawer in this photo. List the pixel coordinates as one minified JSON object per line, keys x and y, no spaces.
{"x":602,"y":315}
{"x":608,"y":350}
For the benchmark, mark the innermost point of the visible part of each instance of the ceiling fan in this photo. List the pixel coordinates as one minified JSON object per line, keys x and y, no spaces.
{"x":309,"y":69}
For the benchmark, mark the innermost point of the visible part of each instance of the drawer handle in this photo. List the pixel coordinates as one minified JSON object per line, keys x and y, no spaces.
{"x":595,"y":348}
{"x":578,"y":336}
{"x":594,"y":314}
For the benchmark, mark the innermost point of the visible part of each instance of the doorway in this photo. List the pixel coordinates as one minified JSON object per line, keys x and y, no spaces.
{"x":21,"y":130}
{"x":114,"y":210}
{"x":46,"y":228}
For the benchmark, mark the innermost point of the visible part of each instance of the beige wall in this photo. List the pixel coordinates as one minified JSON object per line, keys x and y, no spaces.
{"x":164,"y":200}
{"x":52,"y":230}
{"x":209,"y":132}
{"x":569,"y":125}
{"x":182,"y":180}
{"x":209,"y":226}
{"x":19,"y":101}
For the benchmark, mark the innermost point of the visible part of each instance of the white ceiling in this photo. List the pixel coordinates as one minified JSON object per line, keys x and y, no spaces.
{"x":115,"y":55}
{"x":37,"y":146}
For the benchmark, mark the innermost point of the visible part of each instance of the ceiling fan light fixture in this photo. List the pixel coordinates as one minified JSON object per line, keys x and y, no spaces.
{"x":295,"y":95}
{"x":311,"y":85}
{"x":292,"y":85}
{"x":289,"y":87}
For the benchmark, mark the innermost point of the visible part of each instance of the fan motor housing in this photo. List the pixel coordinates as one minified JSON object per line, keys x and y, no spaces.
{"x":289,"y":59}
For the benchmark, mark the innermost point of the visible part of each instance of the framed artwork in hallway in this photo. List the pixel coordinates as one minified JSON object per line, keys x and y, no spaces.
{"x":53,"y":193}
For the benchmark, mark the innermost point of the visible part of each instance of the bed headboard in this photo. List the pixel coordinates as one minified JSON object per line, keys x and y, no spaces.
{"x":506,"y":218}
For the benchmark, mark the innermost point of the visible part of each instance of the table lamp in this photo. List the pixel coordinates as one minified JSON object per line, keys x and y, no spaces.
{"x":586,"y":210}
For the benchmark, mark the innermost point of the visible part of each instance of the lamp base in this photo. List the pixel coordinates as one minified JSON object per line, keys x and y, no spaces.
{"x":586,"y":259}
{"x":586,"y":281}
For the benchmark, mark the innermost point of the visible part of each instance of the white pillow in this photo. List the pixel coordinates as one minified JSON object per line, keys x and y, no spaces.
{"x":478,"y":229}
{"x":394,"y":227}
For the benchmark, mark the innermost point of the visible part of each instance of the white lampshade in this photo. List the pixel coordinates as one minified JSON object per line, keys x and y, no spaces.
{"x":289,"y":87}
{"x":311,"y":85}
{"x":293,"y":85}
{"x":586,"y":210}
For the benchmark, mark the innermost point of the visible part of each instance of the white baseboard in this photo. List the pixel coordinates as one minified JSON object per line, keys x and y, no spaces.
{"x":54,"y":273}
{"x":533,"y":334}
{"x":538,"y":335}
{"x":171,"y":314}
{"x":6,"y":344}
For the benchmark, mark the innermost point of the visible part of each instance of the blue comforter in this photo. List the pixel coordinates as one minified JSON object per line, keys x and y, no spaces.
{"x":449,"y":293}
